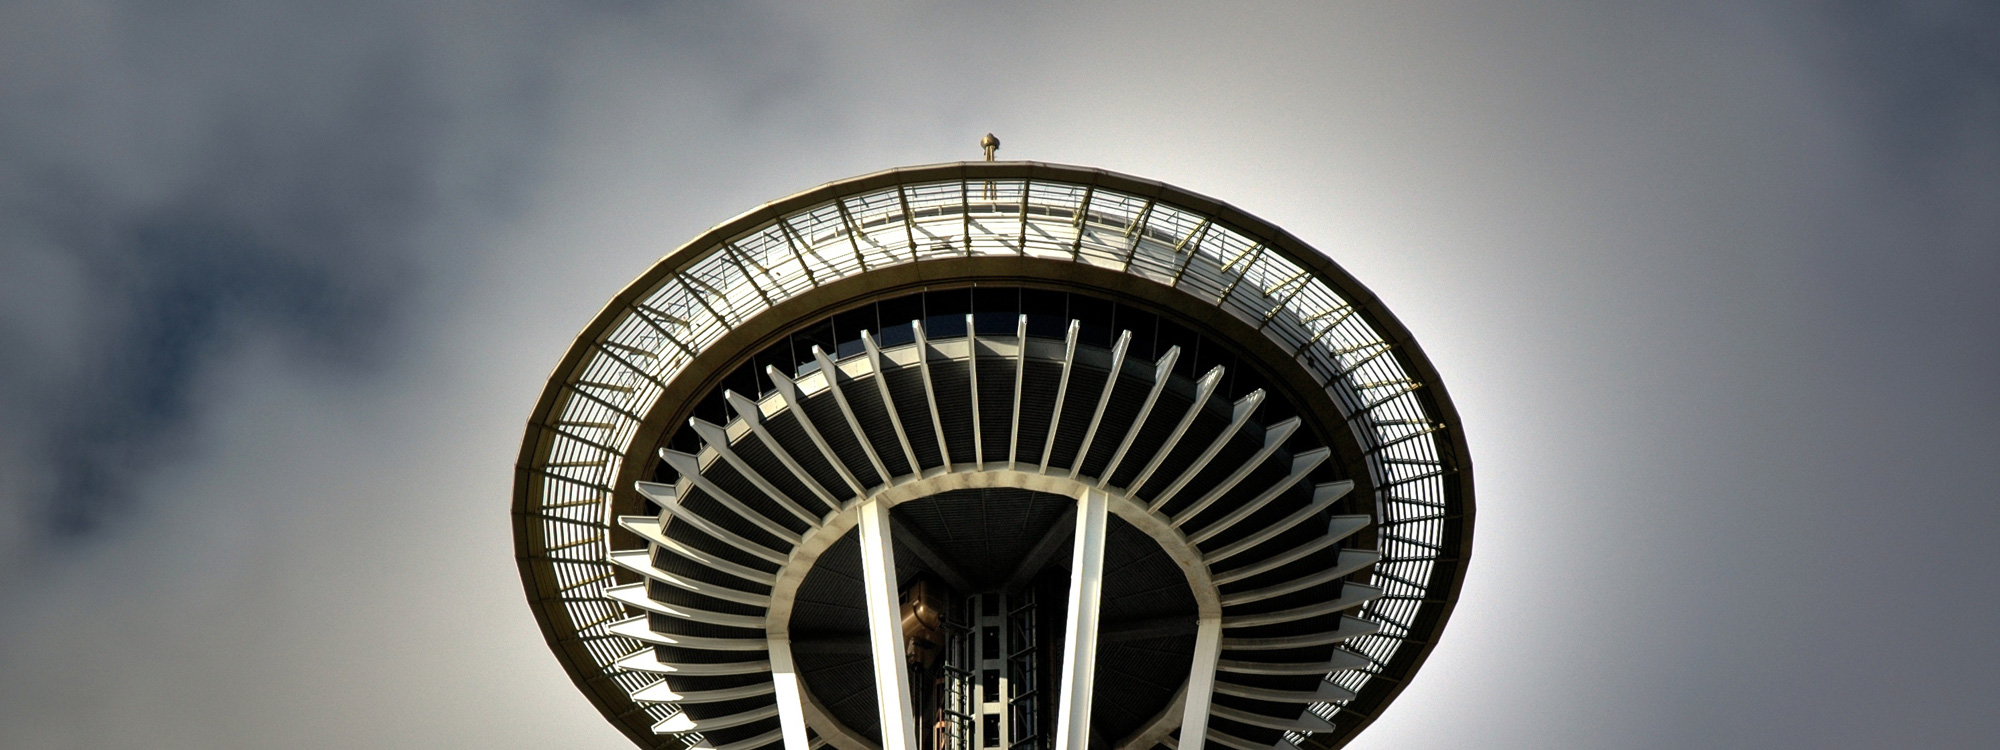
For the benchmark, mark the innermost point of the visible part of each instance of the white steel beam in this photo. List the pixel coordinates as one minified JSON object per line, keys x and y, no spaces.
{"x":1302,"y":464}
{"x":1062,"y":391}
{"x":1340,"y":661}
{"x":689,"y":468}
{"x":1274,"y":436}
{"x":639,"y":629}
{"x":641,"y":562}
{"x":885,"y":628}
{"x":791,"y":703}
{"x":649,"y":529}
{"x":789,"y":391}
{"x":1306,"y":721}
{"x":1201,"y":681}
{"x":681,"y":722}
{"x":1103,"y":398}
{"x":753,"y":417}
{"x":714,"y":436}
{"x":634,"y":595}
{"x":645,"y":660}
{"x":972,"y":373}
{"x":1349,"y":629}
{"x":664,"y":692}
{"x":1086,"y":594}
{"x":1243,"y":408}
{"x":930,"y":391}
{"x":1337,"y":529}
{"x":1350,"y":560}
{"x":668,"y":502}
{"x":1161,"y":371}
{"x":1020,"y":371}
{"x":1203,"y":390}
{"x":827,"y":368}
{"x":1323,"y":496}
{"x":889,"y":402}
{"x":1351,"y":595}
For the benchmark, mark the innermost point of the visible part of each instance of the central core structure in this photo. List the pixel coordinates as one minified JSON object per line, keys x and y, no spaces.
{"x":993,"y":455}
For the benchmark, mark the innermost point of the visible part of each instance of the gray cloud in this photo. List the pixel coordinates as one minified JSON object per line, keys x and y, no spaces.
{"x":174,"y":178}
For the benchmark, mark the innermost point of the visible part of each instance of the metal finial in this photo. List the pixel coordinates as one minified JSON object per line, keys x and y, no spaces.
{"x":991,"y":143}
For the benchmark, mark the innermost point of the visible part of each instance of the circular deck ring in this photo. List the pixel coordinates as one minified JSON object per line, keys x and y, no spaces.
{"x":585,"y":446}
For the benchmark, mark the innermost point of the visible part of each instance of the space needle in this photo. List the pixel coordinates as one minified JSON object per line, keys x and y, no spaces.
{"x":993,"y":454}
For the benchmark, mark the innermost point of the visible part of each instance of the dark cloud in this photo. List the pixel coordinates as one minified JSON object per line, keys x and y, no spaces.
{"x":197,"y":284}
{"x":216,"y":171}
{"x":1922,"y":81}
{"x":1924,"y":70}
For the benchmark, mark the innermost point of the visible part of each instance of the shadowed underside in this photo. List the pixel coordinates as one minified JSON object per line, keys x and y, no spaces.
{"x":784,"y":474}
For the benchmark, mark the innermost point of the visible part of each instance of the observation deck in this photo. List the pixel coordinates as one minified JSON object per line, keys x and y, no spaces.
{"x":993,"y":454}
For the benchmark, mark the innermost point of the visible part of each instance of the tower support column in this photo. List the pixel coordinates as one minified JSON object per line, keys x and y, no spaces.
{"x":1086,"y":594}
{"x":885,"y":628}
{"x":1201,"y":682}
{"x":790,"y":694}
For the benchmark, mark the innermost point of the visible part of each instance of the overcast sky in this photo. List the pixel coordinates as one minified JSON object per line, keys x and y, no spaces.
{"x":1713,"y":285}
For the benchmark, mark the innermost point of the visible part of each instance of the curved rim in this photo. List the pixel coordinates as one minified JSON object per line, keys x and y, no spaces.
{"x":1454,"y":462}
{"x":1187,"y":557}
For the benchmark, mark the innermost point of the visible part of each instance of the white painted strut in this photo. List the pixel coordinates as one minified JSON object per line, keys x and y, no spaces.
{"x":791,"y":700}
{"x":1201,"y":682}
{"x":1086,"y":593}
{"x":885,"y":628}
